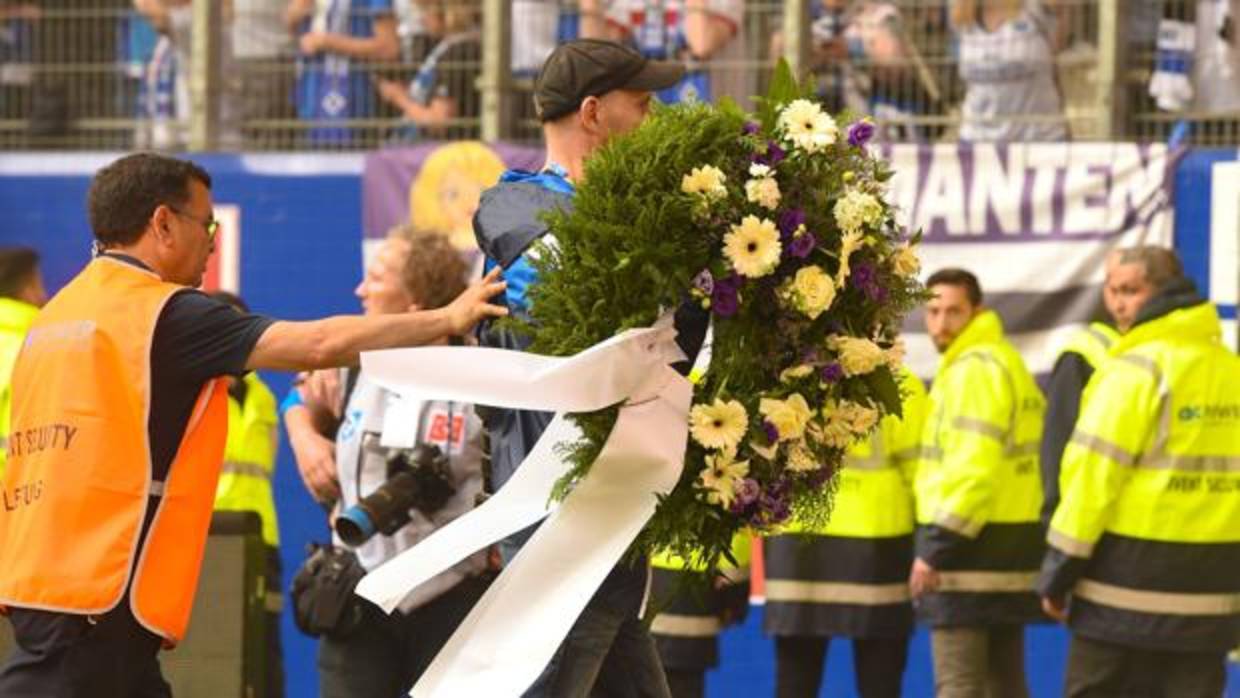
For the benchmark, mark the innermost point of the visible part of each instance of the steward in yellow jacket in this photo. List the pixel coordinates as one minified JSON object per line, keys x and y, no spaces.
{"x":850,"y":579}
{"x":1146,"y":542}
{"x":692,"y":610}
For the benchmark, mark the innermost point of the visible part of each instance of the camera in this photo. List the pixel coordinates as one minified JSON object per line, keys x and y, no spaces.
{"x":417,"y":478}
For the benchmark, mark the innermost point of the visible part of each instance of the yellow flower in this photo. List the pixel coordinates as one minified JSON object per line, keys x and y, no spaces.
{"x":811,"y":291}
{"x":905,"y":261}
{"x":763,"y":191}
{"x":789,"y":416}
{"x":753,"y":247}
{"x":794,"y":372}
{"x":850,"y":243}
{"x":721,"y":475}
{"x":857,"y":417}
{"x":801,"y":458}
{"x":857,"y":209}
{"x":720,"y":424}
{"x":706,"y":180}
{"x":806,"y":126}
{"x":894,"y":356}
{"x":833,"y":431}
{"x":857,"y":356}
{"x":768,"y":452}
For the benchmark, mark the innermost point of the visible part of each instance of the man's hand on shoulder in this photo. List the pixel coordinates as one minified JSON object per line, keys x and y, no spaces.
{"x":474,"y":304}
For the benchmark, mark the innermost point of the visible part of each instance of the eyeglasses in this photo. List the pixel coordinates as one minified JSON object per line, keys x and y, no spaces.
{"x":211,"y":225}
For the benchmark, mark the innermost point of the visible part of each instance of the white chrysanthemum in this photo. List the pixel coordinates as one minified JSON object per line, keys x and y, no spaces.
{"x":719,"y":424}
{"x":759,"y":170}
{"x":806,"y":126}
{"x":721,"y":475}
{"x":857,"y":209}
{"x":857,"y":356}
{"x":811,"y":291}
{"x":706,"y":180}
{"x":789,"y":416}
{"x":753,"y":247}
{"x":764,"y":192}
{"x":905,"y":261}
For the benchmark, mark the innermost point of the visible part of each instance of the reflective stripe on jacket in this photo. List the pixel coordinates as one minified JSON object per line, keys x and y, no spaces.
{"x":1152,"y":490}
{"x":978,"y":479}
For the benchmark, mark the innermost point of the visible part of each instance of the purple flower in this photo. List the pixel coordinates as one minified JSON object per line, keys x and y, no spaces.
{"x":802,"y":245}
{"x":821,"y":476}
{"x":773,"y":507}
{"x":774,"y":153}
{"x":773,"y":156}
{"x":751,"y":128}
{"x":772,"y":432}
{"x":864,"y":277}
{"x":832,"y":372}
{"x":790,"y":220}
{"x":704,"y":282}
{"x":860,"y":133}
{"x":724,"y":300}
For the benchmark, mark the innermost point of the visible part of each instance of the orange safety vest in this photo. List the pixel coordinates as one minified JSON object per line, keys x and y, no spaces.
{"x":79,"y":477}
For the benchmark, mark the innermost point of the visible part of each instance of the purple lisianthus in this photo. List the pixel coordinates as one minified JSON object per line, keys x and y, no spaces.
{"x":802,"y":245}
{"x":821,"y":476}
{"x":832,"y":372}
{"x":773,"y":155}
{"x":789,"y":221}
{"x":724,"y":300}
{"x":751,"y":127}
{"x":771,"y":431}
{"x":704,"y":282}
{"x":865,"y":277}
{"x":773,"y":507}
{"x":860,"y":133}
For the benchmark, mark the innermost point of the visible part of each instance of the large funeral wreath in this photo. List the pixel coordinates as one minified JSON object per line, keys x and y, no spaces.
{"x":776,"y":223}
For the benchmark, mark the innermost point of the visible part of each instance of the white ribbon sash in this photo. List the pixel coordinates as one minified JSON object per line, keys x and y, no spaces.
{"x":513,"y":631}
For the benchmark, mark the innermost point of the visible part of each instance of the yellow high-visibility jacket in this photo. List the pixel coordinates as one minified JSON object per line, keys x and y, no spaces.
{"x":1147,"y":537}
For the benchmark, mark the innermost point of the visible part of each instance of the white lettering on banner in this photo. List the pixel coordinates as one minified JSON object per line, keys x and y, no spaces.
{"x":1029,"y":192}
{"x":1047,"y":160}
{"x":942,"y":196}
{"x":1085,"y":188}
{"x":1134,"y":186}
{"x":997,"y":189}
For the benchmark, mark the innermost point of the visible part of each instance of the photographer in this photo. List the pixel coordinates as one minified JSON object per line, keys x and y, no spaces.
{"x":404,"y":467}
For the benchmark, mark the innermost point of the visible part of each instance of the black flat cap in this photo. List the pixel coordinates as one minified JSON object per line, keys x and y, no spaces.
{"x":592,"y":68}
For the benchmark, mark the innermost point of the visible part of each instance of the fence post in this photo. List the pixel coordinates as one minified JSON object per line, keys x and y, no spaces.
{"x":1110,"y":84}
{"x":796,"y":36}
{"x":495,"y":83}
{"x":205,"y":91}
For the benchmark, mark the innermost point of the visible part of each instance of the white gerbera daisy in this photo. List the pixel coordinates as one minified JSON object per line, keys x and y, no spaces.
{"x":806,"y":126}
{"x":719,"y":424}
{"x":753,"y":247}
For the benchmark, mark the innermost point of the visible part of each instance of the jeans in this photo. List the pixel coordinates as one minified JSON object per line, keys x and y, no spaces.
{"x":385,"y":655}
{"x":877,"y":661}
{"x":979,"y":661}
{"x":608,"y":654}
{"x":1104,"y":670}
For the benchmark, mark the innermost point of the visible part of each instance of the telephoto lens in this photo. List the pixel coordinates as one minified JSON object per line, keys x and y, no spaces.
{"x":418,"y":479}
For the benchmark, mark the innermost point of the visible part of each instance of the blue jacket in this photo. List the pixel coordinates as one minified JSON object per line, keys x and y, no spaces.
{"x":508,"y":221}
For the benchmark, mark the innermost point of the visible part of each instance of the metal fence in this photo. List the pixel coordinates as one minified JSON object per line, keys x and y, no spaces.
{"x":305,"y":75}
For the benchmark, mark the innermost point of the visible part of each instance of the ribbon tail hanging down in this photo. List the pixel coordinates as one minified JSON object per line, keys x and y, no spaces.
{"x":514,"y":630}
